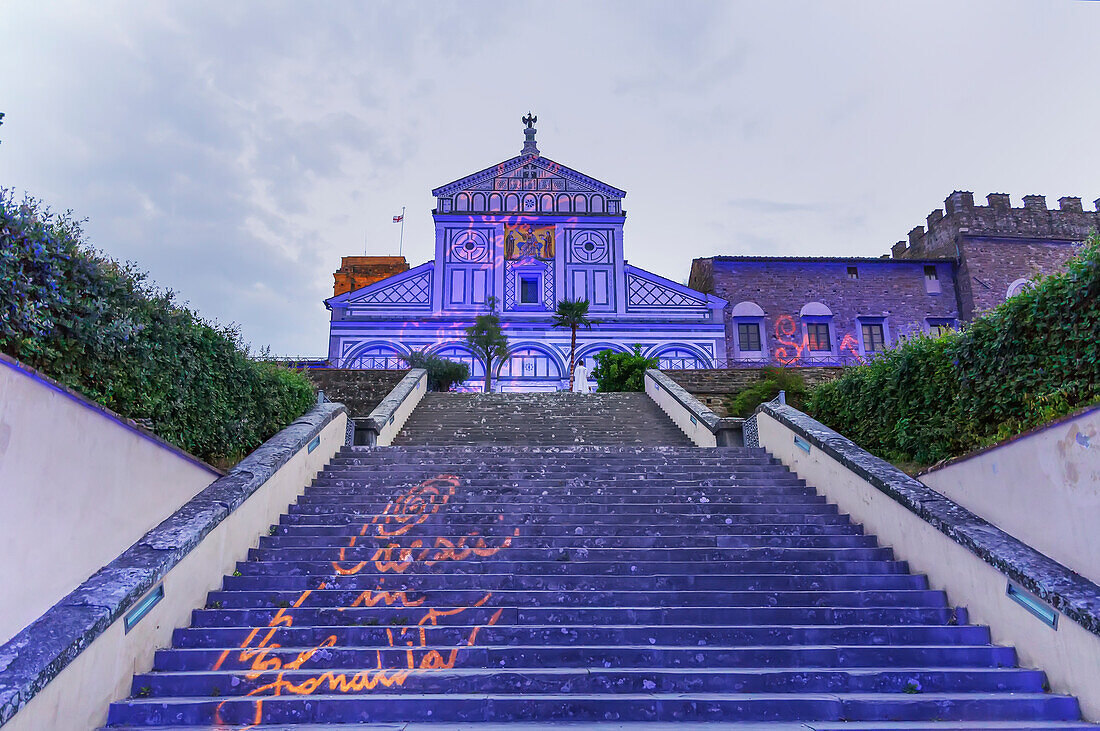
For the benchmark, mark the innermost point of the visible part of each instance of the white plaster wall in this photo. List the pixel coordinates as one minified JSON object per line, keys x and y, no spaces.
{"x":77,"y":487}
{"x":1043,"y":488}
{"x":697,"y":431}
{"x":78,"y":697}
{"x":1070,"y":655}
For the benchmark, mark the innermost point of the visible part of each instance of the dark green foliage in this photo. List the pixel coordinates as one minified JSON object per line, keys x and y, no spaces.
{"x":443,"y":374}
{"x":101,"y":328}
{"x":1032,"y":359}
{"x":622,"y":371}
{"x":772,"y":381}
{"x":487,"y":341}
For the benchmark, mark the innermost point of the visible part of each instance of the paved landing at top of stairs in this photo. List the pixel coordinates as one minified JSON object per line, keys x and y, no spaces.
{"x":553,"y":418}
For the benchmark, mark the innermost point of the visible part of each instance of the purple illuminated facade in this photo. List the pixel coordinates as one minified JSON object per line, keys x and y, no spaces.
{"x":529,"y":232}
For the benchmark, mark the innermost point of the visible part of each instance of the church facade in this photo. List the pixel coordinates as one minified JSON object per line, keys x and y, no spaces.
{"x":523,"y":235}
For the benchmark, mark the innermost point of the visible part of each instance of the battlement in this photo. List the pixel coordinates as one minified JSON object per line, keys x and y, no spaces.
{"x":960,"y":216}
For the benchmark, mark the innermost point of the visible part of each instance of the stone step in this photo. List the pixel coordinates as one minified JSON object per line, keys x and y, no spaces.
{"x":701,"y":582}
{"x":321,"y":598}
{"x":763,"y":679}
{"x":580,"y":514}
{"x":482,"y":707}
{"x":403,"y":616}
{"x":574,"y":568}
{"x":541,"y":542}
{"x":635,"y":556}
{"x":768,"y":512}
{"x":676,"y":726}
{"x":218,"y":638}
{"x":560,"y":535}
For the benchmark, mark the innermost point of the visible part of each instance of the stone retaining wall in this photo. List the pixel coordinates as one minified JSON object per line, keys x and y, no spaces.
{"x":712,"y":386}
{"x":359,"y":390}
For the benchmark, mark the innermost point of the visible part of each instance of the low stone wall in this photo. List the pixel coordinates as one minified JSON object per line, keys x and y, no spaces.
{"x":358,"y":390}
{"x":63,"y":670}
{"x":1047,"y":477}
{"x":712,"y":385}
{"x":78,"y":484}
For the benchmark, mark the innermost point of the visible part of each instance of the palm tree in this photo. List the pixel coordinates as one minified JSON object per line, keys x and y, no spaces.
{"x":486,"y":339}
{"x":572,"y":314}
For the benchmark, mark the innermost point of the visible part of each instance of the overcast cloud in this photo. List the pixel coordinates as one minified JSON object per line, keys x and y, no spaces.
{"x":236,"y":150}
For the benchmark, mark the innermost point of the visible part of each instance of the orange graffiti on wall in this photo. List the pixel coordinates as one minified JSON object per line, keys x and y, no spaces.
{"x":792,"y":349}
{"x":400,"y":516}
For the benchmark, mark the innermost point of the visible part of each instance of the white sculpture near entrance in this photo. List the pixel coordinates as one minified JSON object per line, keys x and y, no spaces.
{"x":580,"y":379}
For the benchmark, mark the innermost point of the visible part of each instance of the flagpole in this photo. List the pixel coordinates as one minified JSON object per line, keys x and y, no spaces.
{"x":401,"y":240}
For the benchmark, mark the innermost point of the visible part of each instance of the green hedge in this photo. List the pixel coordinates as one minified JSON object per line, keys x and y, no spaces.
{"x":1032,"y":359}
{"x":101,"y":328}
{"x":622,"y":371}
{"x":772,"y":380}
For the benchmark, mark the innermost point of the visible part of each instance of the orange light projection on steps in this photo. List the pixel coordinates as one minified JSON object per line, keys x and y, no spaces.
{"x":400,"y":516}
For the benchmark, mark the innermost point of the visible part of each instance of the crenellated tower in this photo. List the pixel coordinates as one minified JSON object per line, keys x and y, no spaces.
{"x":999,"y":249}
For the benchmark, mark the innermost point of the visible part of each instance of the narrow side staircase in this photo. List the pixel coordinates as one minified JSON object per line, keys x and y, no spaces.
{"x":455,"y":587}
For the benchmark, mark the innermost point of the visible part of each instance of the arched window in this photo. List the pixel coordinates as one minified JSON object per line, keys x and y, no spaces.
{"x":479,"y":202}
{"x":817,"y":330}
{"x":748,"y":331}
{"x":564,"y":205}
{"x":495,"y":202}
{"x":511,"y":203}
{"x":530,"y":362}
{"x":379,"y":357}
{"x":462,"y":202}
{"x":588,"y":352}
{"x":461,"y":354}
{"x":546,"y":203}
{"x":597,"y":204}
{"x":1020,"y":285}
{"x":679,"y":357}
{"x":580,"y":204}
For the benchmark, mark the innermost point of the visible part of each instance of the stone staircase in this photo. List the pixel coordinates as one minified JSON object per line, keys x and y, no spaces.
{"x":560,"y":418}
{"x":442,"y":586}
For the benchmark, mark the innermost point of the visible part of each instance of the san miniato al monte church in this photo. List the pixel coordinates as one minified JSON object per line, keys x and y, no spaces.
{"x":530,"y":232}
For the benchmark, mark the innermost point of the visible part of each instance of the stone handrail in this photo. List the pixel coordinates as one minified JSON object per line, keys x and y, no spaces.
{"x":389,"y":416}
{"x":702,"y":425}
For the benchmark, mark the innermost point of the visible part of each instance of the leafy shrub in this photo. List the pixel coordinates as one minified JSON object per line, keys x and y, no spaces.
{"x":622,"y":371}
{"x":101,"y":328}
{"x":1033,"y":358}
{"x":772,"y":381}
{"x":443,"y":374}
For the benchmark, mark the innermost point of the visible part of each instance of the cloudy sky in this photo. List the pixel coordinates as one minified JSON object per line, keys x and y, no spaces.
{"x":237,"y":149}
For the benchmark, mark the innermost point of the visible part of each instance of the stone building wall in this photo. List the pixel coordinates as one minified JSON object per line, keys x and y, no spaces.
{"x":890,"y":289}
{"x":990,"y":266}
{"x":997,"y":245}
{"x":359,"y":390}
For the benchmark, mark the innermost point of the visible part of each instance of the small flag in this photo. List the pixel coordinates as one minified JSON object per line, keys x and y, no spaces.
{"x":399,"y":219}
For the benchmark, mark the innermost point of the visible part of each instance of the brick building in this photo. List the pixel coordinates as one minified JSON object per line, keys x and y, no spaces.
{"x":359,"y":271}
{"x":811,"y":310}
